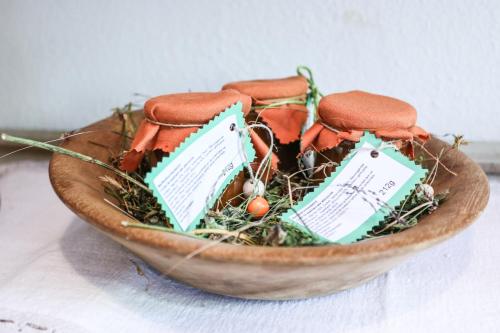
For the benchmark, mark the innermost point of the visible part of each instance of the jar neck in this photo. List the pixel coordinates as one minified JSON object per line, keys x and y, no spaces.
{"x":278,"y":102}
{"x":172,"y":125}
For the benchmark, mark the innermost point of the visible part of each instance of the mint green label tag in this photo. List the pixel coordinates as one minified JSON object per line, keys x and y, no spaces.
{"x":189,"y":181}
{"x":365,"y":188}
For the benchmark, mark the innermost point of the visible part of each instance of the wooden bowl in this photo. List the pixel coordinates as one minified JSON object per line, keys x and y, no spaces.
{"x":263,"y":272}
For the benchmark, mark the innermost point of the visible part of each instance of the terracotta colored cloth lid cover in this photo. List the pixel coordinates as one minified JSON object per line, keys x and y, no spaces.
{"x":183,"y":109}
{"x":345,"y":116}
{"x":285,"y":121}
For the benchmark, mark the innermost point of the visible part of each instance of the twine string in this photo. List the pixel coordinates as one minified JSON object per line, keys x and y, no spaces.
{"x":294,"y":101}
{"x":312,"y":102}
{"x":333,"y":129}
{"x":314,"y":92}
{"x":149,"y":120}
{"x":267,"y":158}
{"x":253,"y":176}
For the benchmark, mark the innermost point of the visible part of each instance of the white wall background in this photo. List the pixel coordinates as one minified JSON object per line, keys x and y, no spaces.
{"x":64,"y":64}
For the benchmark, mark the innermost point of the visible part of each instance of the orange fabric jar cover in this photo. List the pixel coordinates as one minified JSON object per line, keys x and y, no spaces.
{"x":351,"y":113}
{"x":285,"y":121}
{"x":183,"y":109}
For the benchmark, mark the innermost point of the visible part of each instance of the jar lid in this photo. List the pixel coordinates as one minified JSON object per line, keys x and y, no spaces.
{"x":193,"y":108}
{"x":359,"y":110}
{"x":271,"y":89}
{"x":183,"y":109}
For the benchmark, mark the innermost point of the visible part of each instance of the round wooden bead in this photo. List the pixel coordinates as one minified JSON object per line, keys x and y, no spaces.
{"x":253,"y":186}
{"x":258,"y":207}
{"x":425,"y":191}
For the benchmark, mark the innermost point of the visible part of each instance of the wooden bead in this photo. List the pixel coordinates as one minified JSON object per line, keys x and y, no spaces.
{"x":258,"y":207}
{"x":252,"y":187}
{"x":425,"y":191}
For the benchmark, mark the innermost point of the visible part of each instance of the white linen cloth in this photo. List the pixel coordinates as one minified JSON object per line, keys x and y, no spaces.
{"x":57,"y":274}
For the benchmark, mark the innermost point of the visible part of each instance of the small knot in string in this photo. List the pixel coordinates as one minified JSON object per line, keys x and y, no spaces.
{"x":314,"y":92}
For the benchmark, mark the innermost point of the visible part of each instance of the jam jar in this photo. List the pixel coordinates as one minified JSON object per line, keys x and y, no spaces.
{"x":170,"y":119}
{"x":344,"y":117}
{"x":281,"y":105}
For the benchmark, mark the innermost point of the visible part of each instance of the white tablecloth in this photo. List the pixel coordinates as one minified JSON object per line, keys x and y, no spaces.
{"x":57,"y":274}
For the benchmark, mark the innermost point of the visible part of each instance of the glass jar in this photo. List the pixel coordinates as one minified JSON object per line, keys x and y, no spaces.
{"x":170,"y":119}
{"x":281,"y":105}
{"x":344,"y":117}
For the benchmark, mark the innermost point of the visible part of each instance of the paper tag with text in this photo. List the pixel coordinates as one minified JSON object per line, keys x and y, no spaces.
{"x":189,"y":181}
{"x":362,"y":191}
